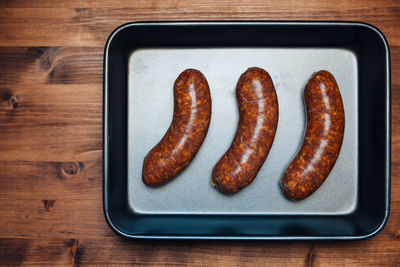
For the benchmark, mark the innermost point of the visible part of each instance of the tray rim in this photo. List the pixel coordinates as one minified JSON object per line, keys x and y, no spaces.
{"x":105,"y":127}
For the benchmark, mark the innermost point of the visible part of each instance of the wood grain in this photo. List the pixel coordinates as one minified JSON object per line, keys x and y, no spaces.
{"x":88,"y":23}
{"x":51,"y":56}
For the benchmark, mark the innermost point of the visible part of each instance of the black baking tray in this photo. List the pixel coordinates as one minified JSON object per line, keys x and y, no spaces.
{"x":364,"y":44}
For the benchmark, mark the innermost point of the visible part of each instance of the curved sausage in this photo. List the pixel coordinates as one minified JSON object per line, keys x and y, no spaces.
{"x":192,"y":113}
{"x":258,"y":111}
{"x":322,"y":140}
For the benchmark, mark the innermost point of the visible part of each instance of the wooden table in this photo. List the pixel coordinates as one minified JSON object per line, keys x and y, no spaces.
{"x":51,"y":59}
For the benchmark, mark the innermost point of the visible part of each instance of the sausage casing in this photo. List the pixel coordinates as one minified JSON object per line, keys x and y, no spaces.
{"x":258,"y":111}
{"x":191,"y":119}
{"x":322,"y":140}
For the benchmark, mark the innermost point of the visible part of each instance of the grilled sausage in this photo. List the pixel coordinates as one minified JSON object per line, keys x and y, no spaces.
{"x":258,"y":111}
{"x":192,"y":113}
{"x":322,"y":140}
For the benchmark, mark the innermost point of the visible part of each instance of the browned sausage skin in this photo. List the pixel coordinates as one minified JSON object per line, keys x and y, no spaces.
{"x":192,"y":113}
{"x":322,"y":140}
{"x":258,"y":111}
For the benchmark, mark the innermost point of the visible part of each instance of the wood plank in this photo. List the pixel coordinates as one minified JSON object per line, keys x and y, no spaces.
{"x":240,"y":253}
{"x":30,"y":251}
{"x":117,"y":250}
{"x":53,"y":199}
{"x":395,"y":69}
{"x":49,"y":122}
{"x":90,"y":26}
{"x":53,"y":65}
{"x":236,"y":4}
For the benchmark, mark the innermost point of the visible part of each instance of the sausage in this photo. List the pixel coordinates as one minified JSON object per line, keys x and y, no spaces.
{"x":258,"y":111}
{"x":322,"y":140}
{"x":189,"y":126}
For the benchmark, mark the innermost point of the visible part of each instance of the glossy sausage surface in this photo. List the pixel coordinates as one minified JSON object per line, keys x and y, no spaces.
{"x":191,"y":119}
{"x":258,"y":111}
{"x":322,"y":140}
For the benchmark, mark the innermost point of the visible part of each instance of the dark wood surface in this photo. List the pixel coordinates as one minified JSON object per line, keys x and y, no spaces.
{"x":51,"y":135}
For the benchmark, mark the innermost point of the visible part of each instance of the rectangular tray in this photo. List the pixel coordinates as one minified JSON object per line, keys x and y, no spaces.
{"x":142,"y":61}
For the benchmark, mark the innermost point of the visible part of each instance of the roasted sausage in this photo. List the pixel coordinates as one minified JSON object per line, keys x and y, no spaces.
{"x":192,"y":113}
{"x":258,"y":111}
{"x":322,"y":140}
